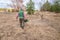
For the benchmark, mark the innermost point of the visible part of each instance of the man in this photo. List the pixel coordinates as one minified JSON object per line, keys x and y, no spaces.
{"x":21,"y":18}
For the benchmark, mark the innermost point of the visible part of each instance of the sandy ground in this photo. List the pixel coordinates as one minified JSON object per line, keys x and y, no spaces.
{"x":36,"y":28}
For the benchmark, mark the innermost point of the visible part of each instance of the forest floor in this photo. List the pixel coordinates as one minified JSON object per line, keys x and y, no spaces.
{"x":36,"y":28}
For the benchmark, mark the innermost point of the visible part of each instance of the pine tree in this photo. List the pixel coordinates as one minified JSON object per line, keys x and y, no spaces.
{"x":55,"y":7}
{"x":30,"y":7}
{"x":46,"y":6}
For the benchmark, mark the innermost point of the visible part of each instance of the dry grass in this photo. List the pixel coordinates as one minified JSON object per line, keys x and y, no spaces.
{"x":35,"y":29}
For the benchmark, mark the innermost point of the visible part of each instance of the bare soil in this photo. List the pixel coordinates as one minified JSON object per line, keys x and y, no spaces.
{"x":36,"y":28}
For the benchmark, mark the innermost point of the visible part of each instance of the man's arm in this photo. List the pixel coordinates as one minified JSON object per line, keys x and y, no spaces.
{"x":17,"y":16}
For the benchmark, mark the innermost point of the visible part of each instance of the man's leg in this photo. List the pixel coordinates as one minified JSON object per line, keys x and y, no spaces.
{"x":22,"y":23}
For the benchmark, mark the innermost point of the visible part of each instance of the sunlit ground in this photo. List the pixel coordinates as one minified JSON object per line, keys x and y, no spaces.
{"x":36,"y":28}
